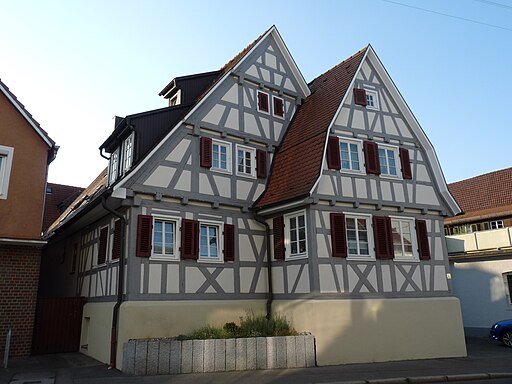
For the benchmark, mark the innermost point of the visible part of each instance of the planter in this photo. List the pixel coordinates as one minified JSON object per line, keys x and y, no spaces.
{"x":165,"y":356}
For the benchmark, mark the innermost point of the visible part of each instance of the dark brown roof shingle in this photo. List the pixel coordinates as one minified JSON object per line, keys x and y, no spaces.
{"x":297,"y":163}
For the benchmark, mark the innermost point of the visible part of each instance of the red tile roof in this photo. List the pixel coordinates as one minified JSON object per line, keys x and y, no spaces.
{"x":482,"y":195}
{"x":58,"y":198}
{"x":87,"y":196}
{"x":297,"y":163}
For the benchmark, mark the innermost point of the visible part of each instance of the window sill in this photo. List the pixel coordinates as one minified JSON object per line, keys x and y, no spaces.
{"x":373,"y":108}
{"x":246,"y":176}
{"x":352,"y":172}
{"x":164,"y":258}
{"x":219,"y":170}
{"x":406,"y":260}
{"x":279,"y":117}
{"x":390,"y":177}
{"x":361,"y":258}
{"x":213,"y":261}
{"x":297,"y":257}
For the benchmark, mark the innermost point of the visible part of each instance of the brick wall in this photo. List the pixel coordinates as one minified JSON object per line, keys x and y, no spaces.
{"x":19,"y":274}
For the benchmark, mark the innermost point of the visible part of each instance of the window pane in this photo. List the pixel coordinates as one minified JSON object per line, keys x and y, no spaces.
{"x":293,"y":223}
{"x":361,"y":224}
{"x":345,"y":159}
{"x":215,"y":155}
{"x":157,"y":237}
{"x":383,"y":161}
{"x":247,"y":162}
{"x":351,"y":235}
{"x":352,"y":247}
{"x":302,"y":233}
{"x":391,"y":162}
{"x":240,"y":161}
{"x":363,"y":248}
{"x":351,"y":223}
{"x":169,"y":238}
{"x":302,"y":246}
{"x":302,"y":221}
{"x":294,"y":248}
{"x":203,"y":242}
{"x":354,"y":155}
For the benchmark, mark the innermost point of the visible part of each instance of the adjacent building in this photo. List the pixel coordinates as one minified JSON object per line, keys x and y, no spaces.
{"x":26,"y":151}
{"x":480,"y":249}
{"x":256,"y":191}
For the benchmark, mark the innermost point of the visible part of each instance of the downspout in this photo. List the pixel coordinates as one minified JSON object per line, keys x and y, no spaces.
{"x":270,"y":297}
{"x":120,"y":285}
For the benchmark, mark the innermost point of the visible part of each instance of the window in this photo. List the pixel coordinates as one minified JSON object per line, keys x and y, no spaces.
{"x":128,"y":152}
{"x":164,"y":238}
{"x":263,"y":102}
{"x":278,"y":107}
{"x":6,"y":155}
{"x":404,"y":242}
{"x":209,"y":242}
{"x":221,"y":156}
{"x":245,"y":161}
{"x":176,"y":99}
{"x":387,"y":158}
{"x":358,"y":236}
{"x":495,"y":224}
{"x":113,"y":167}
{"x":103,"y":245}
{"x":372,"y":101}
{"x":508,"y":286}
{"x":351,"y":155}
{"x":295,"y":241}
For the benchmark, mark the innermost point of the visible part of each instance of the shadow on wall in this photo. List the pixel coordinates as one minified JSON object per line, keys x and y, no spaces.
{"x":482,"y":291}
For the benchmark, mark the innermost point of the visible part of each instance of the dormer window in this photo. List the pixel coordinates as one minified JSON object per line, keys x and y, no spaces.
{"x":113,"y":167}
{"x":128,"y":152}
{"x":176,"y":99}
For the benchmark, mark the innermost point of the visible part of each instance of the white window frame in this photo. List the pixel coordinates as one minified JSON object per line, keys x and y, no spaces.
{"x":414,"y":240}
{"x":176,"y":99}
{"x":113,"y":172}
{"x":284,"y":107}
{"x":508,"y":288}
{"x":5,"y":170}
{"x":287,"y":239}
{"x":228,"y":156}
{"x":220,"y":242}
{"x":177,"y":238}
{"x":128,"y":146}
{"x":375,"y":98}
{"x":359,"y":144}
{"x":269,"y":100}
{"x":252,"y":152}
{"x":369,"y":228}
{"x":398,"y":165}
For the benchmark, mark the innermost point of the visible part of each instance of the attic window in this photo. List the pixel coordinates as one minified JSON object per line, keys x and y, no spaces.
{"x":263,"y":102}
{"x":372,"y":100}
{"x":6,"y":154}
{"x":176,"y":99}
{"x":278,"y":106}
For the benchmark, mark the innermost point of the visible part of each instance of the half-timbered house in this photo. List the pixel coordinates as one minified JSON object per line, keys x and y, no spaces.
{"x":255,"y":191}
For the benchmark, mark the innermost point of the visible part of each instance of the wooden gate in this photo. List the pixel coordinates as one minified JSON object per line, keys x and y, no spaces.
{"x":57,"y":325}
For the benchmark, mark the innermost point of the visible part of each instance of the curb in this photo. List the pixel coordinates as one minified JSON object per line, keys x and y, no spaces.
{"x":433,"y":379}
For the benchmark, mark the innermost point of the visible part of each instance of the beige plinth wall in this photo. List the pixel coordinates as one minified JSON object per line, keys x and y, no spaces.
{"x":143,"y":319}
{"x":353,"y":331}
{"x":96,"y":331}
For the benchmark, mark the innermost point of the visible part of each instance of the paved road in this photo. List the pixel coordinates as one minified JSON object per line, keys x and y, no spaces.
{"x":484,"y":356}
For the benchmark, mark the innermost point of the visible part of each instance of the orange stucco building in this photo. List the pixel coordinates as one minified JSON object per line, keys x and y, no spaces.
{"x":25,"y":154}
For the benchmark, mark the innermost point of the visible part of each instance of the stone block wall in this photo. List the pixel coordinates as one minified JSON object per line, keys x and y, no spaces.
{"x":165,"y":356}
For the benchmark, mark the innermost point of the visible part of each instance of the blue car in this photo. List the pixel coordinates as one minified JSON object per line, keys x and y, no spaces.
{"x":502,"y":331}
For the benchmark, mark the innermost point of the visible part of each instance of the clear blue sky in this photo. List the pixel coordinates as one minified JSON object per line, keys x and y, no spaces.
{"x":76,"y":64}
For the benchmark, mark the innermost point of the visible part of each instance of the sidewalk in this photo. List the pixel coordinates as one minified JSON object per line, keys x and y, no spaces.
{"x":484,"y":357}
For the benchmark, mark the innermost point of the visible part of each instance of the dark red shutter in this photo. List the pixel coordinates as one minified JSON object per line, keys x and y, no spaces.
{"x":116,"y":246}
{"x":189,"y":239}
{"x":261,"y":164}
{"x":278,"y":225}
{"x":278,"y":106}
{"x":102,"y":252}
{"x":333,"y":153}
{"x":206,"y":152}
{"x":360,"y":97}
{"x":371,"y":156}
{"x":406,"y":163}
{"x":383,"y":237}
{"x":144,"y":235}
{"x":262,"y":101}
{"x":422,"y":235}
{"x":338,"y":235}
{"x":229,"y":242}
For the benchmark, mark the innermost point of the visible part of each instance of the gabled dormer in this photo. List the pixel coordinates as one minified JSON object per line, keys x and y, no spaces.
{"x":184,"y":90}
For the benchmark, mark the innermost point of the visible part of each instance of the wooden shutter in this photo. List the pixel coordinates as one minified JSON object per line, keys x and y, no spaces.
{"x":338,"y":235}
{"x":406,"y":163}
{"x":116,"y":246}
{"x":144,"y":235}
{"x":360,"y":97}
{"x":205,"y":152}
{"x":229,"y":242}
{"x":261,"y":164}
{"x":102,"y":252}
{"x":422,"y":236}
{"x":371,"y":156}
{"x":262,"y":101}
{"x":383,"y":237}
{"x":278,"y":225}
{"x":189,"y":239}
{"x":278,"y":106}
{"x":333,"y":153}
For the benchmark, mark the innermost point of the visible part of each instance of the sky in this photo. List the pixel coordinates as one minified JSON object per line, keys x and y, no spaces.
{"x":77,"y":64}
